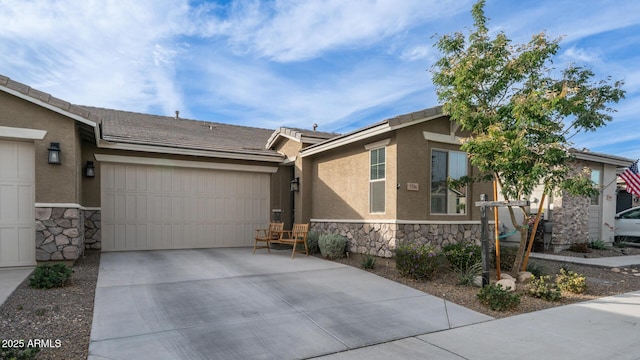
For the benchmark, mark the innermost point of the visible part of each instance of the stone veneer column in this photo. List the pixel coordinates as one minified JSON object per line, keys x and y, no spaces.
{"x":92,"y":229}
{"x":570,"y":221}
{"x":59,"y":233}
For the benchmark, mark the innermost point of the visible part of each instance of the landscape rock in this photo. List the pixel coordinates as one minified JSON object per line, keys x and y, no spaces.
{"x":524,"y":277}
{"x":616,"y":270}
{"x":505,"y":276}
{"x":507,"y":284}
{"x":477,"y":281}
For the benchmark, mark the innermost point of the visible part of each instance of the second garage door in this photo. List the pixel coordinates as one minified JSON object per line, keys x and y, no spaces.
{"x":161,"y":207}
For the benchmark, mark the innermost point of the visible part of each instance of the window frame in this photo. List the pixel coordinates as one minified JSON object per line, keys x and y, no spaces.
{"x":382,"y":180}
{"x":447,"y":211}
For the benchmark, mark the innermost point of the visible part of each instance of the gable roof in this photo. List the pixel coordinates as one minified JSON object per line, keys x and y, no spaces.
{"x":155,"y":133}
{"x":299,"y":135}
{"x":378,"y":128}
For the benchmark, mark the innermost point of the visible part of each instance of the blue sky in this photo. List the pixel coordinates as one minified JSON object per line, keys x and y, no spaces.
{"x":340,"y":64}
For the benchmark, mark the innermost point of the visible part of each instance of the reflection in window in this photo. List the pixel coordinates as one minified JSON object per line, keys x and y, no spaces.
{"x":448,"y":164}
{"x":595,"y":179}
{"x":377,"y":180}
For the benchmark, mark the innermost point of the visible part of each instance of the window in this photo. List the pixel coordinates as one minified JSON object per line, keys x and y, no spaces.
{"x":595,"y":179}
{"x":444,"y":165}
{"x":377,"y":180}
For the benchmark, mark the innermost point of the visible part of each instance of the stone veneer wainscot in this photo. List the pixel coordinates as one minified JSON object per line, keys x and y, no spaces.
{"x":381,"y":239}
{"x":59,"y":233}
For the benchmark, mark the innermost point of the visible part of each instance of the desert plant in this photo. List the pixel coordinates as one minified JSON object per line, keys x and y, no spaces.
{"x":468,"y":275}
{"x":462,"y":255}
{"x":535,"y":269}
{"x":332,"y":246}
{"x":543,"y":288}
{"x":47,"y":276}
{"x":571,"y":281}
{"x":19,"y":353}
{"x":582,"y":247}
{"x":507,"y":257}
{"x":312,"y":242}
{"x":498,"y":298}
{"x":417,"y":261}
{"x":368,"y":262}
{"x":598,"y":245}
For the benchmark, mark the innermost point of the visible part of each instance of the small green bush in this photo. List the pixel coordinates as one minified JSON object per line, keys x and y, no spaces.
{"x":332,"y":246}
{"x":507,"y":257}
{"x":571,"y":281}
{"x":21,"y":353}
{"x":580,"y":247}
{"x":47,"y":276}
{"x":535,"y":269}
{"x":417,"y":261}
{"x":543,"y":288}
{"x":598,"y":245}
{"x":497,"y":298}
{"x":368,"y":262}
{"x":462,"y":255}
{"x":312,"y":242}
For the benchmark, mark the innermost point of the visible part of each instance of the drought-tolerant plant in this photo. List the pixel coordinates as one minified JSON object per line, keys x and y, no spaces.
{"x":507,"y":257}
{"x":332,"y":246}
{"x":312,"y":242}
{"x":462,"y":255}
{"x":47,"y":276}
{"x":535,"y":269}
{"x":497,"y":298}
{"x":468,"y":275}
{"x":368,"y":262}
{"x":417,"y":261}
{"x":543,"y":288}
{"x":571,"y":281}
{"x":598,"y":245}
{"x":18,"y":353}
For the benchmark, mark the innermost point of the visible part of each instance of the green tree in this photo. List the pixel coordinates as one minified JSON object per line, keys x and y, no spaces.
{"x":520,"y":112}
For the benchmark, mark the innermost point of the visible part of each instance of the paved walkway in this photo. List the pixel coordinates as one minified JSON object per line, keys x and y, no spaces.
{"x":11,"y":278}
{"x":614,"y":261}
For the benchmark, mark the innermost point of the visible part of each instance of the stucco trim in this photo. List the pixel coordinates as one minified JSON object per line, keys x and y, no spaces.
{"x":59,"y":205}
{"x":442,"y":138}
{"x":377,"y":144}
{"x":48,"y":106}
{"x":183,"y":163}
{"x":7,"y":132}
{"x":401,"y":222}
{"x":177,"y":151}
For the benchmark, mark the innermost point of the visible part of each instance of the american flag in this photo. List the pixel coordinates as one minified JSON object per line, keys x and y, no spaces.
{"x":632,"y":178}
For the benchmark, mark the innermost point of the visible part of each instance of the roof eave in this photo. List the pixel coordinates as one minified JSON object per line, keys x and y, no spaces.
{"x":602,"y":158}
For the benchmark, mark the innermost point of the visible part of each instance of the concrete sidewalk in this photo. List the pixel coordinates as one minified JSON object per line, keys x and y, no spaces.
{"x":11,"y":278}
{"x":613,"y":261}
{"x":230,"y":304}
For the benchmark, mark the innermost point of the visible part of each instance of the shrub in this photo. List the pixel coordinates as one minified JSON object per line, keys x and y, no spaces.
{"x":417,"y":261}
{"x":462,"y":255}
{"x":580,"y":247}
{"x":332,"y":246}
{"x":497,"y":298}
{"x":312,"y":242}
{"x":542,"y":288}
{"x":571,"y":281}
{"x":598,"y":245}
{"x":535,"y":269}
{"x":48,"y":276}
{"x":507,"y":257}
{"x":368,"y":262}
{"x":468,"y":275}
{"x":19,"y":353}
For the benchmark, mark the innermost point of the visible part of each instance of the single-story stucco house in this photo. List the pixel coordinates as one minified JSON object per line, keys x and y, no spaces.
{"x":75,"y":177}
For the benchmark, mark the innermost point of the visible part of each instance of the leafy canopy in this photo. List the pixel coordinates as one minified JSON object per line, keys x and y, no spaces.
{"x":520,"y":117}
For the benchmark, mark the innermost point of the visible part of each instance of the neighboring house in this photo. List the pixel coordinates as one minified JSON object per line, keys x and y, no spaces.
{"x":569,"y":219}
{"x":169,"y":183}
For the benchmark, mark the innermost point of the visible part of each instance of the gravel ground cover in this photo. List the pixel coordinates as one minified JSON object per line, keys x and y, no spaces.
{"x":63,"y":315}
{"x":59,"y":317}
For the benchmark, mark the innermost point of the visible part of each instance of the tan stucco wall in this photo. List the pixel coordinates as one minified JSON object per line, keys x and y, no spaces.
{"x":340,"y":188}
{"x":54,"y":183}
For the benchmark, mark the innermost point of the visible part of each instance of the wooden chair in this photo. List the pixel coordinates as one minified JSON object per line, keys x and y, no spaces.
{"x":297,"y":235}
{"x":273,"y":233}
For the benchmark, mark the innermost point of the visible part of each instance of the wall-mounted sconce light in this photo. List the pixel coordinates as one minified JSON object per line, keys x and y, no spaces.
{"x":90,"y":170}
{"x":295,"y":184}
{"x":54,"y":153}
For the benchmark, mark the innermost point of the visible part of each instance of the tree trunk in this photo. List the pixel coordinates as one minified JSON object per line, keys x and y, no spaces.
{"x":522,"y":248}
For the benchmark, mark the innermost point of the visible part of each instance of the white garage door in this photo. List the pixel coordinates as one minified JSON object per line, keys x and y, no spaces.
{"x":17,"y":198}
{"x":160,"y":207}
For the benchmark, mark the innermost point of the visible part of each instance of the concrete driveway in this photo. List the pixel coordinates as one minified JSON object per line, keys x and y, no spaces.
{"x":230,"y":304}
